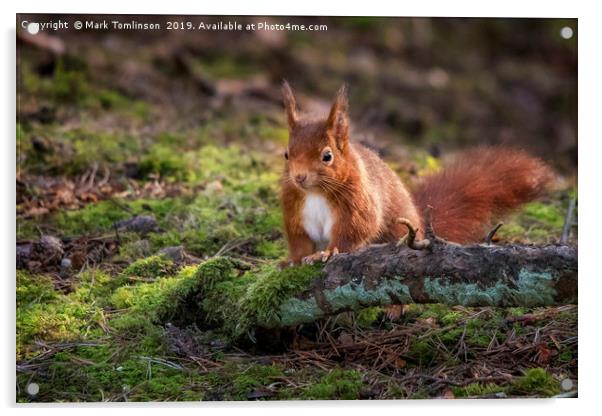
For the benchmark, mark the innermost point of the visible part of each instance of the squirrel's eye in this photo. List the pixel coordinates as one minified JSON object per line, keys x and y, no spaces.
{"x":286,"y":155}
{"x":327,"y":156}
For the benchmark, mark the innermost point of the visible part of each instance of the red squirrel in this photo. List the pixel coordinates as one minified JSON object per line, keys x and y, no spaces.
{"x":338,"y":196}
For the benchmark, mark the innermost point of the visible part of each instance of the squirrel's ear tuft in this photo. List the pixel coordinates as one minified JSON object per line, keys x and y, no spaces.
{"x":338,"y":119}
{"x":290,"y":104}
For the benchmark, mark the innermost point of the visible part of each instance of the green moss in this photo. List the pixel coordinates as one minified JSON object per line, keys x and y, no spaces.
{"x":33,"y":289}
{"x":101,"y":372}
{"x":366,"y":317}
{"x":168,"y":162}
{"x":47,"y":315}
{"x":422,"y":352}
{"x":451,"y":337}
{"x":265,"y":295}
{"x":70,"y":84}
{"x":451,"y":318}
{"x":538,"y":222}
{"x":220,"y":302}
{"x":115,"y":101}
{"x":241,"y":205}
{"x":151,"y":267}
{"x":565,"y":355}
{"x":226,"y":66}
{"x":271,"y":249}
{"x":133,"y":247}
{"x":260,"y":126}
{"x":517,"y":311}
{"x":92,"y":218}
{"x":435,"y":310}
{"x":112,"y":99}
{"x":161,"y":301}
{"x":545,"y":213}
{"x":66,"y":319}
{"x":536,"y":381}
{"x":94,"y":286}
{"x":338,"y":384}
{"x":478,"y":389}
{"x":253,"y":377}
{"x":512,"y":230}
{"x":90,"y":147}
{"x":75,"y":151}
{"x":149,"y":302}
{"x":101,"y":216}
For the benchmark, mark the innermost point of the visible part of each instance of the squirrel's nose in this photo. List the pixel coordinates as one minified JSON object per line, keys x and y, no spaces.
{"x":300,"y":178}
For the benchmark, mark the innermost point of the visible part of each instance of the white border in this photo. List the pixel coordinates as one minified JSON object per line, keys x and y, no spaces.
{"x":590,"y":160}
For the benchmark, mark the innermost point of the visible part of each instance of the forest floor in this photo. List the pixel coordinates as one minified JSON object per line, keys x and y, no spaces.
{"x":126,"y":183}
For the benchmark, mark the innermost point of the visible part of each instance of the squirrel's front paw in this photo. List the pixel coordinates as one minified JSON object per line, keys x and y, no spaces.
{"x":322,"y":256}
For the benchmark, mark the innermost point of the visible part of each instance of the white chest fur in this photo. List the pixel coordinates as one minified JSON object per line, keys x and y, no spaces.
{"x":317,"y":219}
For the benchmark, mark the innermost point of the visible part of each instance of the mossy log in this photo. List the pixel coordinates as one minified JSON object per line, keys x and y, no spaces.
{"x":238,"y":300}
{"x":477,"y":275}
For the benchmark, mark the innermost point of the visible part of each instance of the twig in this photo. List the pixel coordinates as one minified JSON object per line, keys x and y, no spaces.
{"x":568,"y":221}
{"x":491,"y":233}
{"x":429,"y":232}
{"x":410,"y":238}
{"x":161,"y":361}
{"x":231,"y":245}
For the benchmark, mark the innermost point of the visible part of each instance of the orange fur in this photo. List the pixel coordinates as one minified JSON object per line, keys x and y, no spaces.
{"x":366,"y":197}
{"x":480,"y":185}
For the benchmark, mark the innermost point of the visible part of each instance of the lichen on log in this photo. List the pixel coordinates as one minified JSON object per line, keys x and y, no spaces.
{"x":477,"y":275}
{"x":381,"y":275}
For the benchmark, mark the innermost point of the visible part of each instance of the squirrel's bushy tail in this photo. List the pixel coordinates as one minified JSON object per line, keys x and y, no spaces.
{"x":478,"y":187}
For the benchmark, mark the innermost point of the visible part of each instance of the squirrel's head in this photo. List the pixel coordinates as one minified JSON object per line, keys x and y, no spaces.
{"x":318,"y":148}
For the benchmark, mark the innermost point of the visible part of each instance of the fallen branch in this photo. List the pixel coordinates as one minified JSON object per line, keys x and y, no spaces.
{"x":478,"y":275}
{"x":378,"y":275}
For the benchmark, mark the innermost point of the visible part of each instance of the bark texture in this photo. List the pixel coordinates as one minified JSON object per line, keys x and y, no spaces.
{"x":476,"y":275}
